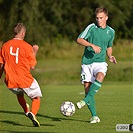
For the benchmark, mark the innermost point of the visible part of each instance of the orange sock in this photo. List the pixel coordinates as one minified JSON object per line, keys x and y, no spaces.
{"x":35,"y":105}
{"x":22,"y":102}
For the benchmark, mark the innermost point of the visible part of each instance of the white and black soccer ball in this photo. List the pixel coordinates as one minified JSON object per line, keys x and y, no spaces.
{"x":67,"y":108}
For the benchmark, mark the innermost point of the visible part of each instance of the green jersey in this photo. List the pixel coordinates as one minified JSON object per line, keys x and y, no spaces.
{"x":102,"y":37}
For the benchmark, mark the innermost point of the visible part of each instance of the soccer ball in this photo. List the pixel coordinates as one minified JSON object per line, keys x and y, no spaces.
{"x":67,"y":108}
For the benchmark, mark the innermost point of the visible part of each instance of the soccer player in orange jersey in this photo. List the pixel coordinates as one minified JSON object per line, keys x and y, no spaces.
{"x":19,"y":58}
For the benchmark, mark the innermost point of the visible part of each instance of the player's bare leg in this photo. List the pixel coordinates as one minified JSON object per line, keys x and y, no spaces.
{"x":100,"y":77}
{"x":86,"y":87}
{"x":22,"y":102}
{"x":34,"y":110}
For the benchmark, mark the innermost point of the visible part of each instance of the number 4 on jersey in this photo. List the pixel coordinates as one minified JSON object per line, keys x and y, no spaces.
{"x":14,"y":54}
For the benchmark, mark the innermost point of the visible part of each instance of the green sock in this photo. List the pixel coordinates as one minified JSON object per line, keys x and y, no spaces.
{"x":89,"y":99}
{"x":91,"y":107}
{"x":92,"y":91}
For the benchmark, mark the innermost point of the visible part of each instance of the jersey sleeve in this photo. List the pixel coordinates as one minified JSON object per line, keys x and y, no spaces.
{"x":32,"y":59}
{"x":112,"y":34}
{"x":87,"y":32}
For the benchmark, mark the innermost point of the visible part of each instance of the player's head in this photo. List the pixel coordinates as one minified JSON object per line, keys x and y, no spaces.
{"x":19,"y":30}
{"x":101,"y":16}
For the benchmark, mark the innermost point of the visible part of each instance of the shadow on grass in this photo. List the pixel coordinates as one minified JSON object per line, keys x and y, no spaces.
{"x":14,"y":123}
{"x":39,"y":115}
{"x":11,"y":122}
{"x":60,"y":119}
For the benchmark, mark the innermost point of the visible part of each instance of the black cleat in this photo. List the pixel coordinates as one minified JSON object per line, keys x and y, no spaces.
{"x":33,"y":119}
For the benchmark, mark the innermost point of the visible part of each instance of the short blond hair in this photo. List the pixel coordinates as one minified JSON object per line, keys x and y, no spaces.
{"x":100,"y":10}
{"x":18,"y":27}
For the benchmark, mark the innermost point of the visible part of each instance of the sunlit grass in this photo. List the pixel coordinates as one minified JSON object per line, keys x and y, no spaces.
{"x":113,"y":103}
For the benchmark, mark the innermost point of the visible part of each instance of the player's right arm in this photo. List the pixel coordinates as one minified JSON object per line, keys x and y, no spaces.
{"x":83,"y":37}
{"x":85,"y":43}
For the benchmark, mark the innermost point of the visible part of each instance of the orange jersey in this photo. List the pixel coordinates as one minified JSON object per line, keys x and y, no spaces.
{"x":17,"y":57}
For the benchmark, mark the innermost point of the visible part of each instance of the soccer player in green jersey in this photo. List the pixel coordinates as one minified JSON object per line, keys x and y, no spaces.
{"x":98,"y":40}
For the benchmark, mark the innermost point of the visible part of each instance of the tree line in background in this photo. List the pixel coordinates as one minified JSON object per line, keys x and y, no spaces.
{"x":52,"y":19}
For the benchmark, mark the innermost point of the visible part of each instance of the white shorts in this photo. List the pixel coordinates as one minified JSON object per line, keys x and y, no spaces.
{"x":88,"y":72}
{"x":32,"y":92}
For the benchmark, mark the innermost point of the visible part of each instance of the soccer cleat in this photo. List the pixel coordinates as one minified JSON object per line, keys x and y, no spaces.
{"x":33,"y":119}
{"x":80,"y":104}
{"x":94,"y":119}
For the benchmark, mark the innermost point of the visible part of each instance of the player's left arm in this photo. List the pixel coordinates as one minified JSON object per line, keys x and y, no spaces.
{"x":35,"y":50}
{"x":110,"y":56}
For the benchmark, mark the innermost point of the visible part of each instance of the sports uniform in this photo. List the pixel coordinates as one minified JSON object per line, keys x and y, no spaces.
{"x":94,"y":63}
{"x":18,"y":58}
{"x":102,"y":38}
{"x":17,"y":66}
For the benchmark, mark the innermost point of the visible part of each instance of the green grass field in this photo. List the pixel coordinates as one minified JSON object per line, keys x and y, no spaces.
{"x":113,"y":102}
{"x":58,"y":73}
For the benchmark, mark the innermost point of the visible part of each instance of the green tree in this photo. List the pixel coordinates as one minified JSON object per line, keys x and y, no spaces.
{"x":53,"y":19}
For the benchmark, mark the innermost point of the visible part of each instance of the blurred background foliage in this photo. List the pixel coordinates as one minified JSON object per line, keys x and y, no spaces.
{"x":55,"y":19}
{"x":55,"y":25}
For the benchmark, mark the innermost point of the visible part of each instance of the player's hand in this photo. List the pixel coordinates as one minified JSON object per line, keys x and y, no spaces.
{"x":112,"y":59}
{"x":96,"y":49}
{"x":35,"y":48}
